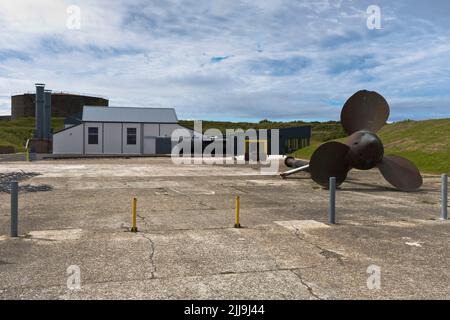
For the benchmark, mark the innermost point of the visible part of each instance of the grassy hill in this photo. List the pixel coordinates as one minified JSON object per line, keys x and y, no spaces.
{"x":16,"y":132}
{"x":426,"y":143}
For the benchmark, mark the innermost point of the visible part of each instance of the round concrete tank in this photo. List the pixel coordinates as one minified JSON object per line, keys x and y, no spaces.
{"x":63,"y":104}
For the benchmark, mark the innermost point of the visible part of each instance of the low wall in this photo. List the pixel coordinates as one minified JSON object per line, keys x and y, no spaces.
{"x":7,"y":149}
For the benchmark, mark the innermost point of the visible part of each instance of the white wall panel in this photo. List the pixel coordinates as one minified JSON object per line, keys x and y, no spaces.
{"x":112,"y":138}
{"x":69,"y":141}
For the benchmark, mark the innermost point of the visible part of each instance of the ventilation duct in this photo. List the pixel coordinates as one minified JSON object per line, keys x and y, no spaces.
{"x":47,"y":119}
{"x":39,"y":132}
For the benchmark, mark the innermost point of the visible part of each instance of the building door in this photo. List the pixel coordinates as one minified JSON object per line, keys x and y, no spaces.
{"x":131,"y":138}
{"x":93,"y":138}
{"x":149,"y":145}
{"x":163,"y":146}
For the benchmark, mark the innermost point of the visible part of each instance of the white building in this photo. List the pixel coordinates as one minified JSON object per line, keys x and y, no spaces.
{"x":117,"y":130}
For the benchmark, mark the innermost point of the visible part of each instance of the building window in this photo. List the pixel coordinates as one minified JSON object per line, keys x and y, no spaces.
{"x":92,"y":135}
{"x":131,"y":135}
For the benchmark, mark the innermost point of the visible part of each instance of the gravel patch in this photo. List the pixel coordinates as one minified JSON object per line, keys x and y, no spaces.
{"x":7,"y":178}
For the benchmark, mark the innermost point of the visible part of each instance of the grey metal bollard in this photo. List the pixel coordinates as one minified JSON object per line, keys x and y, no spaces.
{"x":444,"y":194}
{"x":332,"y":207}
{"x":14,"y":208}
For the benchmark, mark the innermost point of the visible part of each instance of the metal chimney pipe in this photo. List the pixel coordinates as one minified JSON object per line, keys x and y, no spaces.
{"x":39,"y":110}
{"x":47,"y":121}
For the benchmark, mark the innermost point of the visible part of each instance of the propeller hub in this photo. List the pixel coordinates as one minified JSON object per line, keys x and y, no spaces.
{"x":366,"y":150}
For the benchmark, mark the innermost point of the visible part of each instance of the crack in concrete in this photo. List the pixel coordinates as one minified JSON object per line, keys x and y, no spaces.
{"x":87,"y":282}
{"x":323,"y":252}
{"x":151,"y":256}
{"x":306,"y":285}
{"x":152,"y":248}
{"x":298,"y":274}
{"x":239,"y":189}
{"x":277,"y":269}
{"x":262,"y":271}
{"x":192,"y":201}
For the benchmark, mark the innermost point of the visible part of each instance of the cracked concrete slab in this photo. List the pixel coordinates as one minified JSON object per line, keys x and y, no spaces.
{"x":272,"y":285}
{"x":187,"y":248}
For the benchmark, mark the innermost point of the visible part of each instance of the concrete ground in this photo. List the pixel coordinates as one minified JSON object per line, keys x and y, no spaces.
{"x":187,"y":248}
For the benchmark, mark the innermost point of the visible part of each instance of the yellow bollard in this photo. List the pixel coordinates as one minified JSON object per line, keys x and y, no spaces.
{"x":237,"y":224}
{"x":133,"y":215}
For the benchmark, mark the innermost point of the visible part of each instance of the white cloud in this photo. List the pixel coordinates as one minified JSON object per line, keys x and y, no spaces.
{"x":158,"y":53}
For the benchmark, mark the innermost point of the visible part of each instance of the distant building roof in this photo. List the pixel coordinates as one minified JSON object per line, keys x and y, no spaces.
{"x":128,"y":114}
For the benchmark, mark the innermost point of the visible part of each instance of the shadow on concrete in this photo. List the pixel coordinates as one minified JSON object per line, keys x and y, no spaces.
{"x":7,"y":178}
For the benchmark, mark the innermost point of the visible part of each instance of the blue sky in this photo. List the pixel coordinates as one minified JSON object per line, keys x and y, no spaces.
{"x":232,"y":59}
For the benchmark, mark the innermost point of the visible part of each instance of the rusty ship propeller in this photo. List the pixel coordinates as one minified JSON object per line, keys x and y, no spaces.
{"x":362,"y":116}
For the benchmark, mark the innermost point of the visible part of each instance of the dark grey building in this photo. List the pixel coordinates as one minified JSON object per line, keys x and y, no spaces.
{"x":294,"y":138}
{"x":289,"y":140}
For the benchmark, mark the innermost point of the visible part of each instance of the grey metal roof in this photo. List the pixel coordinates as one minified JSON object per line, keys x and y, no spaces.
{"x":129,"y":114}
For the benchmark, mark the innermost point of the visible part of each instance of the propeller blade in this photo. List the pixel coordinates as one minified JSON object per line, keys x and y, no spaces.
{"x":329,"y":160}
{"x":365,"y":110}
{"x":401,"y":173}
